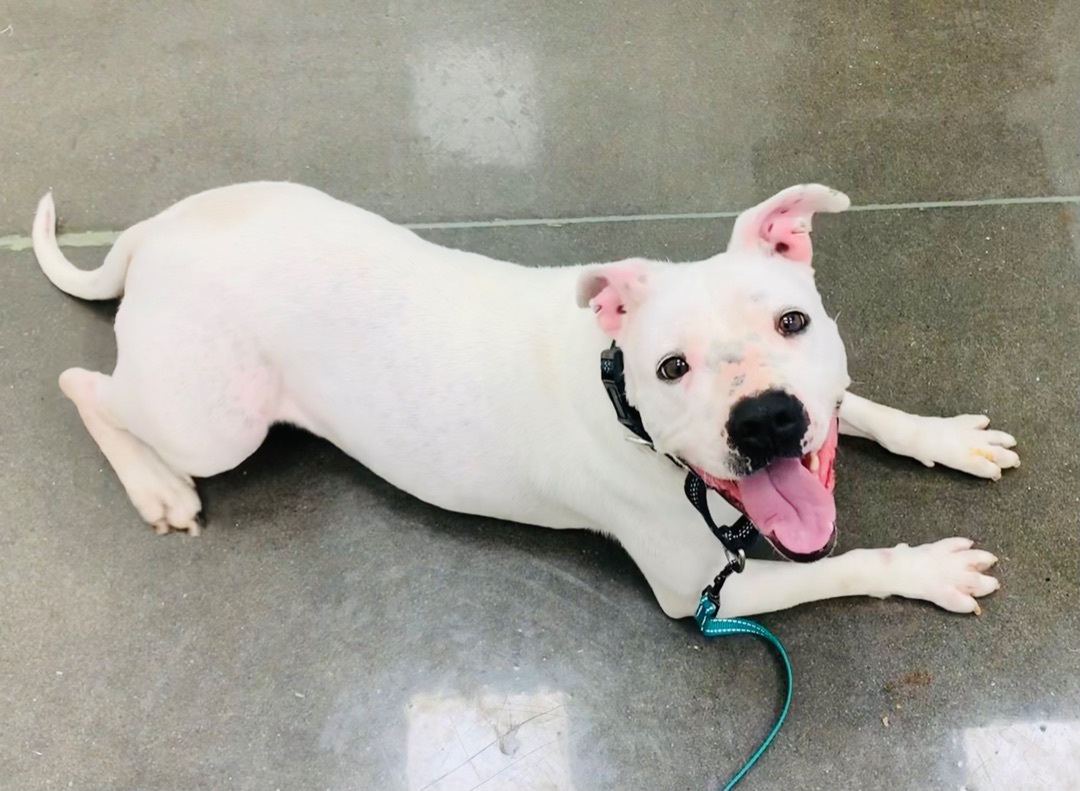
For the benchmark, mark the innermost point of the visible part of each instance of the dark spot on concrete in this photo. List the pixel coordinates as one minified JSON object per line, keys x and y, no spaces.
{"x":917,"y":678}
{"x":906,"y":687}
{"x":908,"y":684}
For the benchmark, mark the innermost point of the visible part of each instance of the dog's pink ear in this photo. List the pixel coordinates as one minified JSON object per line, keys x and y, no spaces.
{"x":613,"y":291}
{"x":781,"y":225}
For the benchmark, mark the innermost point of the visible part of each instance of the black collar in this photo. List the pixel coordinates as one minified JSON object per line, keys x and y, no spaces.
{"x":736,"y":538}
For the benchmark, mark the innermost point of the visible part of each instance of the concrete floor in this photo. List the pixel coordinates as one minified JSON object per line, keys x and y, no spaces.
{"x":281,"y":649}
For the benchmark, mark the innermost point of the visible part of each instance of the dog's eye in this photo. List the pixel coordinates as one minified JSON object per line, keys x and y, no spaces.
{"x":792,"y":323}
{"x":673,"y":368}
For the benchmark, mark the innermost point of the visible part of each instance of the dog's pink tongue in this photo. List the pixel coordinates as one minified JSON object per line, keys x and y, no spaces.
{"x":788,"y":502}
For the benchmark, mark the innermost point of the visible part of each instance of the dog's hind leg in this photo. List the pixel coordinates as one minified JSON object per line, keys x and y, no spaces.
{"x":189,"y":399}
{"x":963,"y":442}
{"x":163,"y":497}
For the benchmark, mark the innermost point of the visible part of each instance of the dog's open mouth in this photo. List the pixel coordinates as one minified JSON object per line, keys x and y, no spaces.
{"x":790,"y":501}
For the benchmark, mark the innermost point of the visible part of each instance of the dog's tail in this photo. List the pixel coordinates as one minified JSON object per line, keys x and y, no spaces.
{"x":105,"y":282}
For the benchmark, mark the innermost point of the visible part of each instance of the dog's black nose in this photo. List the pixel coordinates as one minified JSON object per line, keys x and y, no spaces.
{"x":767,"y":426}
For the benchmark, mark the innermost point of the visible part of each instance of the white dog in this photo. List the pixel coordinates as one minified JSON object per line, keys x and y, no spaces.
{"x":474,"y":385}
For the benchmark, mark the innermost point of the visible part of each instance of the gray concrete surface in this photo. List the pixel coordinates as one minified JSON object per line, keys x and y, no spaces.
{"x":328,"y":631}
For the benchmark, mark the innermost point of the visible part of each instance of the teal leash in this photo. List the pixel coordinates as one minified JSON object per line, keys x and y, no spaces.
{"x":711,"y":626}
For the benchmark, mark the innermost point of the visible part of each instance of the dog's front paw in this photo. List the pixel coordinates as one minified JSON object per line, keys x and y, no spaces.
{"x":948,"y":573}
{"x":964,"y":443}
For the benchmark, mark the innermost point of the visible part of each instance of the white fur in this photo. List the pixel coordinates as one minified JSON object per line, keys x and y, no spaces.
{"x":474,"y":384}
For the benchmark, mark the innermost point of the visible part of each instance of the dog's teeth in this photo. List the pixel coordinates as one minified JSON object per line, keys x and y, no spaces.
{"x":815,"y":462}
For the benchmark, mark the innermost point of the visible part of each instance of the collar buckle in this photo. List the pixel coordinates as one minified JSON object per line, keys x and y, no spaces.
{"x":614,"y":379}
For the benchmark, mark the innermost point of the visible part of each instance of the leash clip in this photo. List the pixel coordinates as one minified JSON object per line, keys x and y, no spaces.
{"x":735,"y":565}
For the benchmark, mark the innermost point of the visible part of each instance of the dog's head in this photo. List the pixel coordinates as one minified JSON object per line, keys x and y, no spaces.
{"x":736,"y":368}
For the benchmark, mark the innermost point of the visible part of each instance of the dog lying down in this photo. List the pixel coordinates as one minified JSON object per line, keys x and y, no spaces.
{"x":474,"y":385}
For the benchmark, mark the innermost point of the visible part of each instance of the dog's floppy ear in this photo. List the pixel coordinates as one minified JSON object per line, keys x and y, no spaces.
{"x":613,"y":290}
{"x":781,"y":225}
